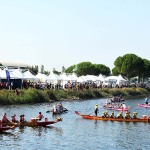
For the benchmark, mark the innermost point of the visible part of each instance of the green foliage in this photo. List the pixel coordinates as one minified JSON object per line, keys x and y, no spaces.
{"x":146,"y":70}
{"x":39,"y":96}
{"x":70,"y":69}
{"x":101,"y":69}
{"x":129,"y":65}
{"x":34,"y":70}
{"x":87,"y":68}
{"x":51,"y":95}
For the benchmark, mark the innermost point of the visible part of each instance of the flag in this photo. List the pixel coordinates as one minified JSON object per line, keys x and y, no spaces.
{"x":7,"y":76}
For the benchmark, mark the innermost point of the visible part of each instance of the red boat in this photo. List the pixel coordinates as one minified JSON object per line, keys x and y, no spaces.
{"x":143,"y":119}
{"x":34,"y":123}
{"x":144,"y":105}
{"x":6,"y":128}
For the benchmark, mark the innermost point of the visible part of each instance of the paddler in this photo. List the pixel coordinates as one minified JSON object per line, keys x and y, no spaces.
{"x":120,"y":115}
{"x":135,"y":115}
{"x":40,"y":116}
{"x":96,"y":109}
{"x":14,"y":118}
{"x":22,"y":119}
{"x":105,"y":114}
{"x":127,"y":115}
{"x":4,"y":119}
{"x":112,"y":115}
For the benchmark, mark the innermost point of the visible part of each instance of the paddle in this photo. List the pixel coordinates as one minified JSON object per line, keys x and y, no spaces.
{"x":48,"y":111}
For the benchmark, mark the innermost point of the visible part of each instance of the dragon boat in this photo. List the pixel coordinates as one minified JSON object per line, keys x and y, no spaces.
{"x":144,"y":105}
{"x":4,"y":128}
{"x":143,"y":119}
{"x":32,"y":123}
{"x":116,"y":108}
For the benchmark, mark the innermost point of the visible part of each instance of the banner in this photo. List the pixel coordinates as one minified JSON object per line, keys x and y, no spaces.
{"x":7,"y":76}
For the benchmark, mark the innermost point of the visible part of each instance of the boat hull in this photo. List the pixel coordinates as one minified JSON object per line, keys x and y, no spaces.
{"x":112,"y":119}
{"x":32,"y":123}
{"x":143,"y":105}
{"x":6,"y":128}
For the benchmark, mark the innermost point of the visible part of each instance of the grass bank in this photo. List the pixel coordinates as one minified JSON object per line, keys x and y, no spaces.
{"x":8,"y":97}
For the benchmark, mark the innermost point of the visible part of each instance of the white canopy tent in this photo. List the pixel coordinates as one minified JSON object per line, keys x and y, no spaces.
{"x":54,"y":78}
{"x":28,"y":75}
{"x":40,"y":77}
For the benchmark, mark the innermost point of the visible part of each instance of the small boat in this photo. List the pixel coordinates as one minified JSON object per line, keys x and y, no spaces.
{"x":144,"y":105}
{"x":58,"y":112}
{"x":143,"y":119}
{"x":116,"y":108}
{"x":6,"y":128}
{"x":34,"y":123}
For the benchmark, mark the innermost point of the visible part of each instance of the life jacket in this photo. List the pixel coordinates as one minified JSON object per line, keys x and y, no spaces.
{"x":22,"y":119}
{"x":40,"y":116}
{"x":4,"y":119}
{"x":13,"y":119}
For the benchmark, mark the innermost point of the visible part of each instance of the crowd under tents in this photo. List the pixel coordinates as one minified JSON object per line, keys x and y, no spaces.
{"x":17,"y":77}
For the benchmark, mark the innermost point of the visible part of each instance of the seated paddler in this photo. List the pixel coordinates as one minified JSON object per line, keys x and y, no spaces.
{"x":40,"y":116}
{"x":4,"y":119}
{"x":22,"y":119}
{"x":135,"y":115}
{"x":13,"y":118}
{"x":127,"y":115}
{"x":120,"y":115}
{"x":105,"y":114}
{"x":112,"y":115}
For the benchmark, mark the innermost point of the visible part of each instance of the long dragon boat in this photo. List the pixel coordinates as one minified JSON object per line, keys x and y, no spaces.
{"x":6,"y":128}
{"x":144,"y":105}
{"x":32,"y":123}
{"x":143,"y":119}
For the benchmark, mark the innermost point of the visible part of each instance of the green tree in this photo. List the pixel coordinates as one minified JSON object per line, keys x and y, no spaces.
{"x":101,"y":69}
{"x":70,"y":69}
{"x":56,"y":72}
{"x":42,"y":69}
{"x":146,"y":71}
{"x":130,"y":65}
{"x":85,"y":68}
{"x":34,"y":70}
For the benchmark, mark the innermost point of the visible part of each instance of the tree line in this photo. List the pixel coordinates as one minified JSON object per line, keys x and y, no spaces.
{"x":128,"y":65}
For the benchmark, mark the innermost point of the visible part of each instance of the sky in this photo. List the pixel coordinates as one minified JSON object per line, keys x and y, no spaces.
{"x":57,"y":33}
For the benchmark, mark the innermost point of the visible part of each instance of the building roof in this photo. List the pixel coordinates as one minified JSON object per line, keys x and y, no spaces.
{"x":14,"y":64}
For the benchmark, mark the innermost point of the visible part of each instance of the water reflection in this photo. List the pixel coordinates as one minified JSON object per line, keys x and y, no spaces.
{"x":73,"y":132}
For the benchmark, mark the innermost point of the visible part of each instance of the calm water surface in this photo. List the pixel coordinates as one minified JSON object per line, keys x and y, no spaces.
{"x":75,"y":133}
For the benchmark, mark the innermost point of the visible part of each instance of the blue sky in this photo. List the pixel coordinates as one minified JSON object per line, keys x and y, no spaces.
{"x":57,"y":33}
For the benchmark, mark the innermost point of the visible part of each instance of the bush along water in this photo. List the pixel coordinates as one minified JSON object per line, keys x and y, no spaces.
{"x":38,"y":96}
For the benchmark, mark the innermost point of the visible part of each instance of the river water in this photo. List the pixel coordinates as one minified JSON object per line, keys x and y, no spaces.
{"x":75,"y":133}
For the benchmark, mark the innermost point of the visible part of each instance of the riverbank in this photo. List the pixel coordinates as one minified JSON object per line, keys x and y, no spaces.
{"x":8,"y":97}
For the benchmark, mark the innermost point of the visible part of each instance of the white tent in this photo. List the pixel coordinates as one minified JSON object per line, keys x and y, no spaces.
{"x":28,"y":75}
{"x":92,"y":78}
{"x":54,"y":78}
{"x":16,"y":74}
{"x":2,"y":74}
{"x":101,"y":77}
{"x":40,"y":77}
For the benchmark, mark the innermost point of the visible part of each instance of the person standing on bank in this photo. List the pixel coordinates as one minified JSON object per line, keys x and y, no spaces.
{"x":96,"y":109}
